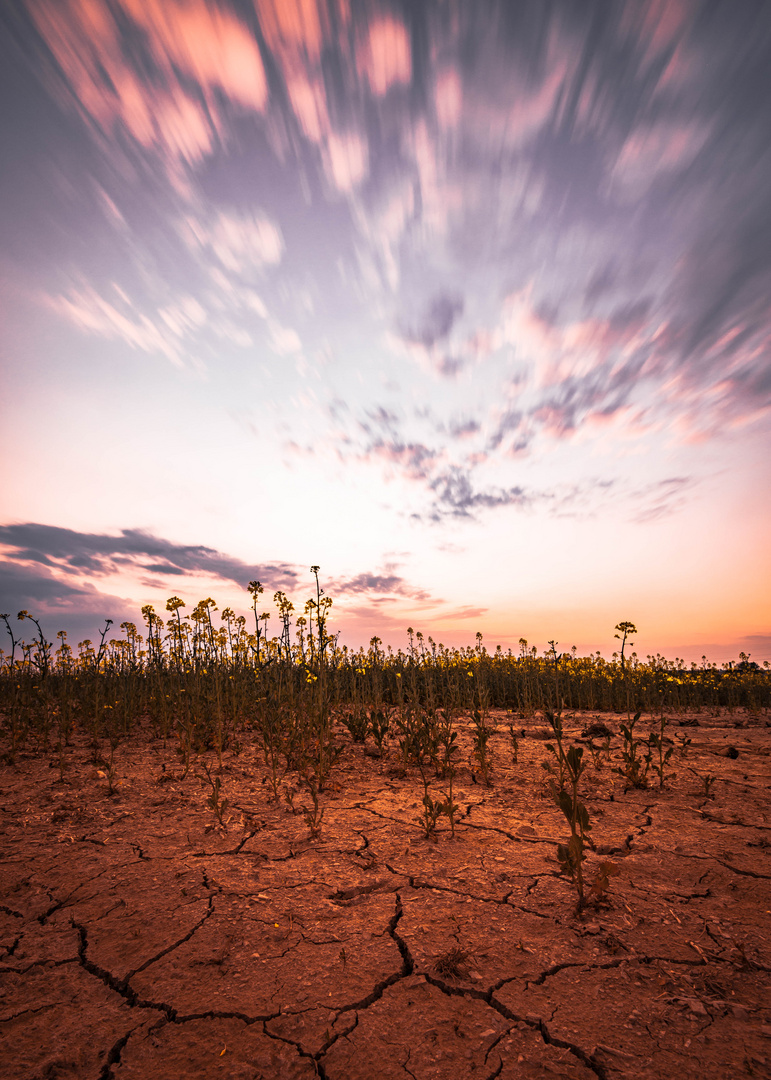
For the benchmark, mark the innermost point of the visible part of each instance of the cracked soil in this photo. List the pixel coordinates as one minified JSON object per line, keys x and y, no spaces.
{"x":141,"y":939}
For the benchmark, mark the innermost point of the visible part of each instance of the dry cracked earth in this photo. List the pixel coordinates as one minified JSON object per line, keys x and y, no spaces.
{"x":139,"y":938}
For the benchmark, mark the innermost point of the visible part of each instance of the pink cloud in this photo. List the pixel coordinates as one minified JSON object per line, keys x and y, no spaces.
{"x":346,"y":159}
{"x":89,"y":311}
{"x":295,"y":31}
{"x":653,"y":150}
{"x":200,"y":41}
{"x":241,"y":241}
{"x":557,"y":353}
{"x":206,"y":42}
{"x":384,"y":57}
{"x":385,"y":225}
{"x":283,"y":339}
{"x":724,"y":393}
{"x":295,"y":27}
{"x":441,"y":197}
{"x":660,"y":23}
{"x":413,"y":460}
{"x":519,"y":106}
{"x":309,"y":103}
{"x":181,"y":128}
{"x":448,"y":97}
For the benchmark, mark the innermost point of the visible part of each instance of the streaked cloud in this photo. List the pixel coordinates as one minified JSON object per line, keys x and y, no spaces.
{"x":130,"y":67}
{"x":241,"y":242}
{"x":115,"y":318}
{"x":384,"y":56}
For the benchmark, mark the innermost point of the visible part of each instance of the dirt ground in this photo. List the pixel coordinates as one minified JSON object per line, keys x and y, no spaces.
{"x":139,"y":938}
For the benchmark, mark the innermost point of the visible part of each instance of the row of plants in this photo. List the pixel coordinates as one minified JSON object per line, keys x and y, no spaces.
{"x":209,"y":687}
{"x":191,"y":671}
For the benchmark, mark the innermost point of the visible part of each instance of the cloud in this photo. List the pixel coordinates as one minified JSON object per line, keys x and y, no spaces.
{"x":207,"y":42}
{"x":74,"y":553}
{"x":450,"y":366}
{"x":384,"y":56}
{"x":467,"y":612}
{"x":296,"y":32}
{"x":346,"y":160}
{"x":283,"y":339}
{"x":130,"y":66}
{"x":465,"y":428}
{"x":436,"y":320}
{"x":761,"y":643}
{"x":242,"y":241}
{"x":222,"y":252}
{"x":296,"y":29}
{"x":380,"y":584}
{"x":652,"y":151}
{"x":57,"y":603}
{"x":414,"y":460}
{"x":455,"y":496}
{"x":661,"y":498}
{"x":116,"y":319}
{"x":381,"y":419}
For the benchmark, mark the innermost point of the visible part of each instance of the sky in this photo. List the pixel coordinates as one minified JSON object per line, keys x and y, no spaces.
{"x":465,"y":302}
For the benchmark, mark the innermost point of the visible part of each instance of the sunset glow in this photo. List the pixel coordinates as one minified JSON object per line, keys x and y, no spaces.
{"x":466,"y":303}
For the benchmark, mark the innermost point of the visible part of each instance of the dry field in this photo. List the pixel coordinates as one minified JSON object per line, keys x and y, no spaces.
{"x":142,"y":938}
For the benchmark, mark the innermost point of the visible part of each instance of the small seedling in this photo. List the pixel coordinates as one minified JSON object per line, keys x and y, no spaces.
{"x":707,"y":782}
{"x":684,"y":744}
{"x":314,"y":816}
{"x":571,"y":855}
{"x":514,"y":744}
{"x":112,"y":775}
{"x":380,"y":727}
{"x":432,"y":811}
{"x":635,"y":767}
{"x":448,"y":744}
{"x":601,"y":883}
{"x":555,"y":722}
{"x":358,"y":725}
{"x":481,"y":737}
{"x":596,"y":752}
{"x":452,"y":964}
{"x":656,"y":741}
{"x":215,"y":800}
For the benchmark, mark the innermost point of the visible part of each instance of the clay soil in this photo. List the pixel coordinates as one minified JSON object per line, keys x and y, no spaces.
{"x":140,"y":939}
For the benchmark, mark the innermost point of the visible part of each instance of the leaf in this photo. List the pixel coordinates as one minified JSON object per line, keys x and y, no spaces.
{"x":582,"y":817}
{"x":605,"y":872}
{"x":563,"y":855}
{"x":574,"y":755}
{"x":565,"y":803}
{"x":576,"y":849}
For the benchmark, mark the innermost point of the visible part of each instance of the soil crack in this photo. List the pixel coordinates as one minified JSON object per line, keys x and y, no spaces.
{"x":488,"y":996}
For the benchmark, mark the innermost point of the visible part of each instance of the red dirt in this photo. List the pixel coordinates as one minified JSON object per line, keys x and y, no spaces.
{"x":141,"y":939}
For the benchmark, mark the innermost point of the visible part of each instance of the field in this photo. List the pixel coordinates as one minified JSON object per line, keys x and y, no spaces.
{"x":351,"y":865}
